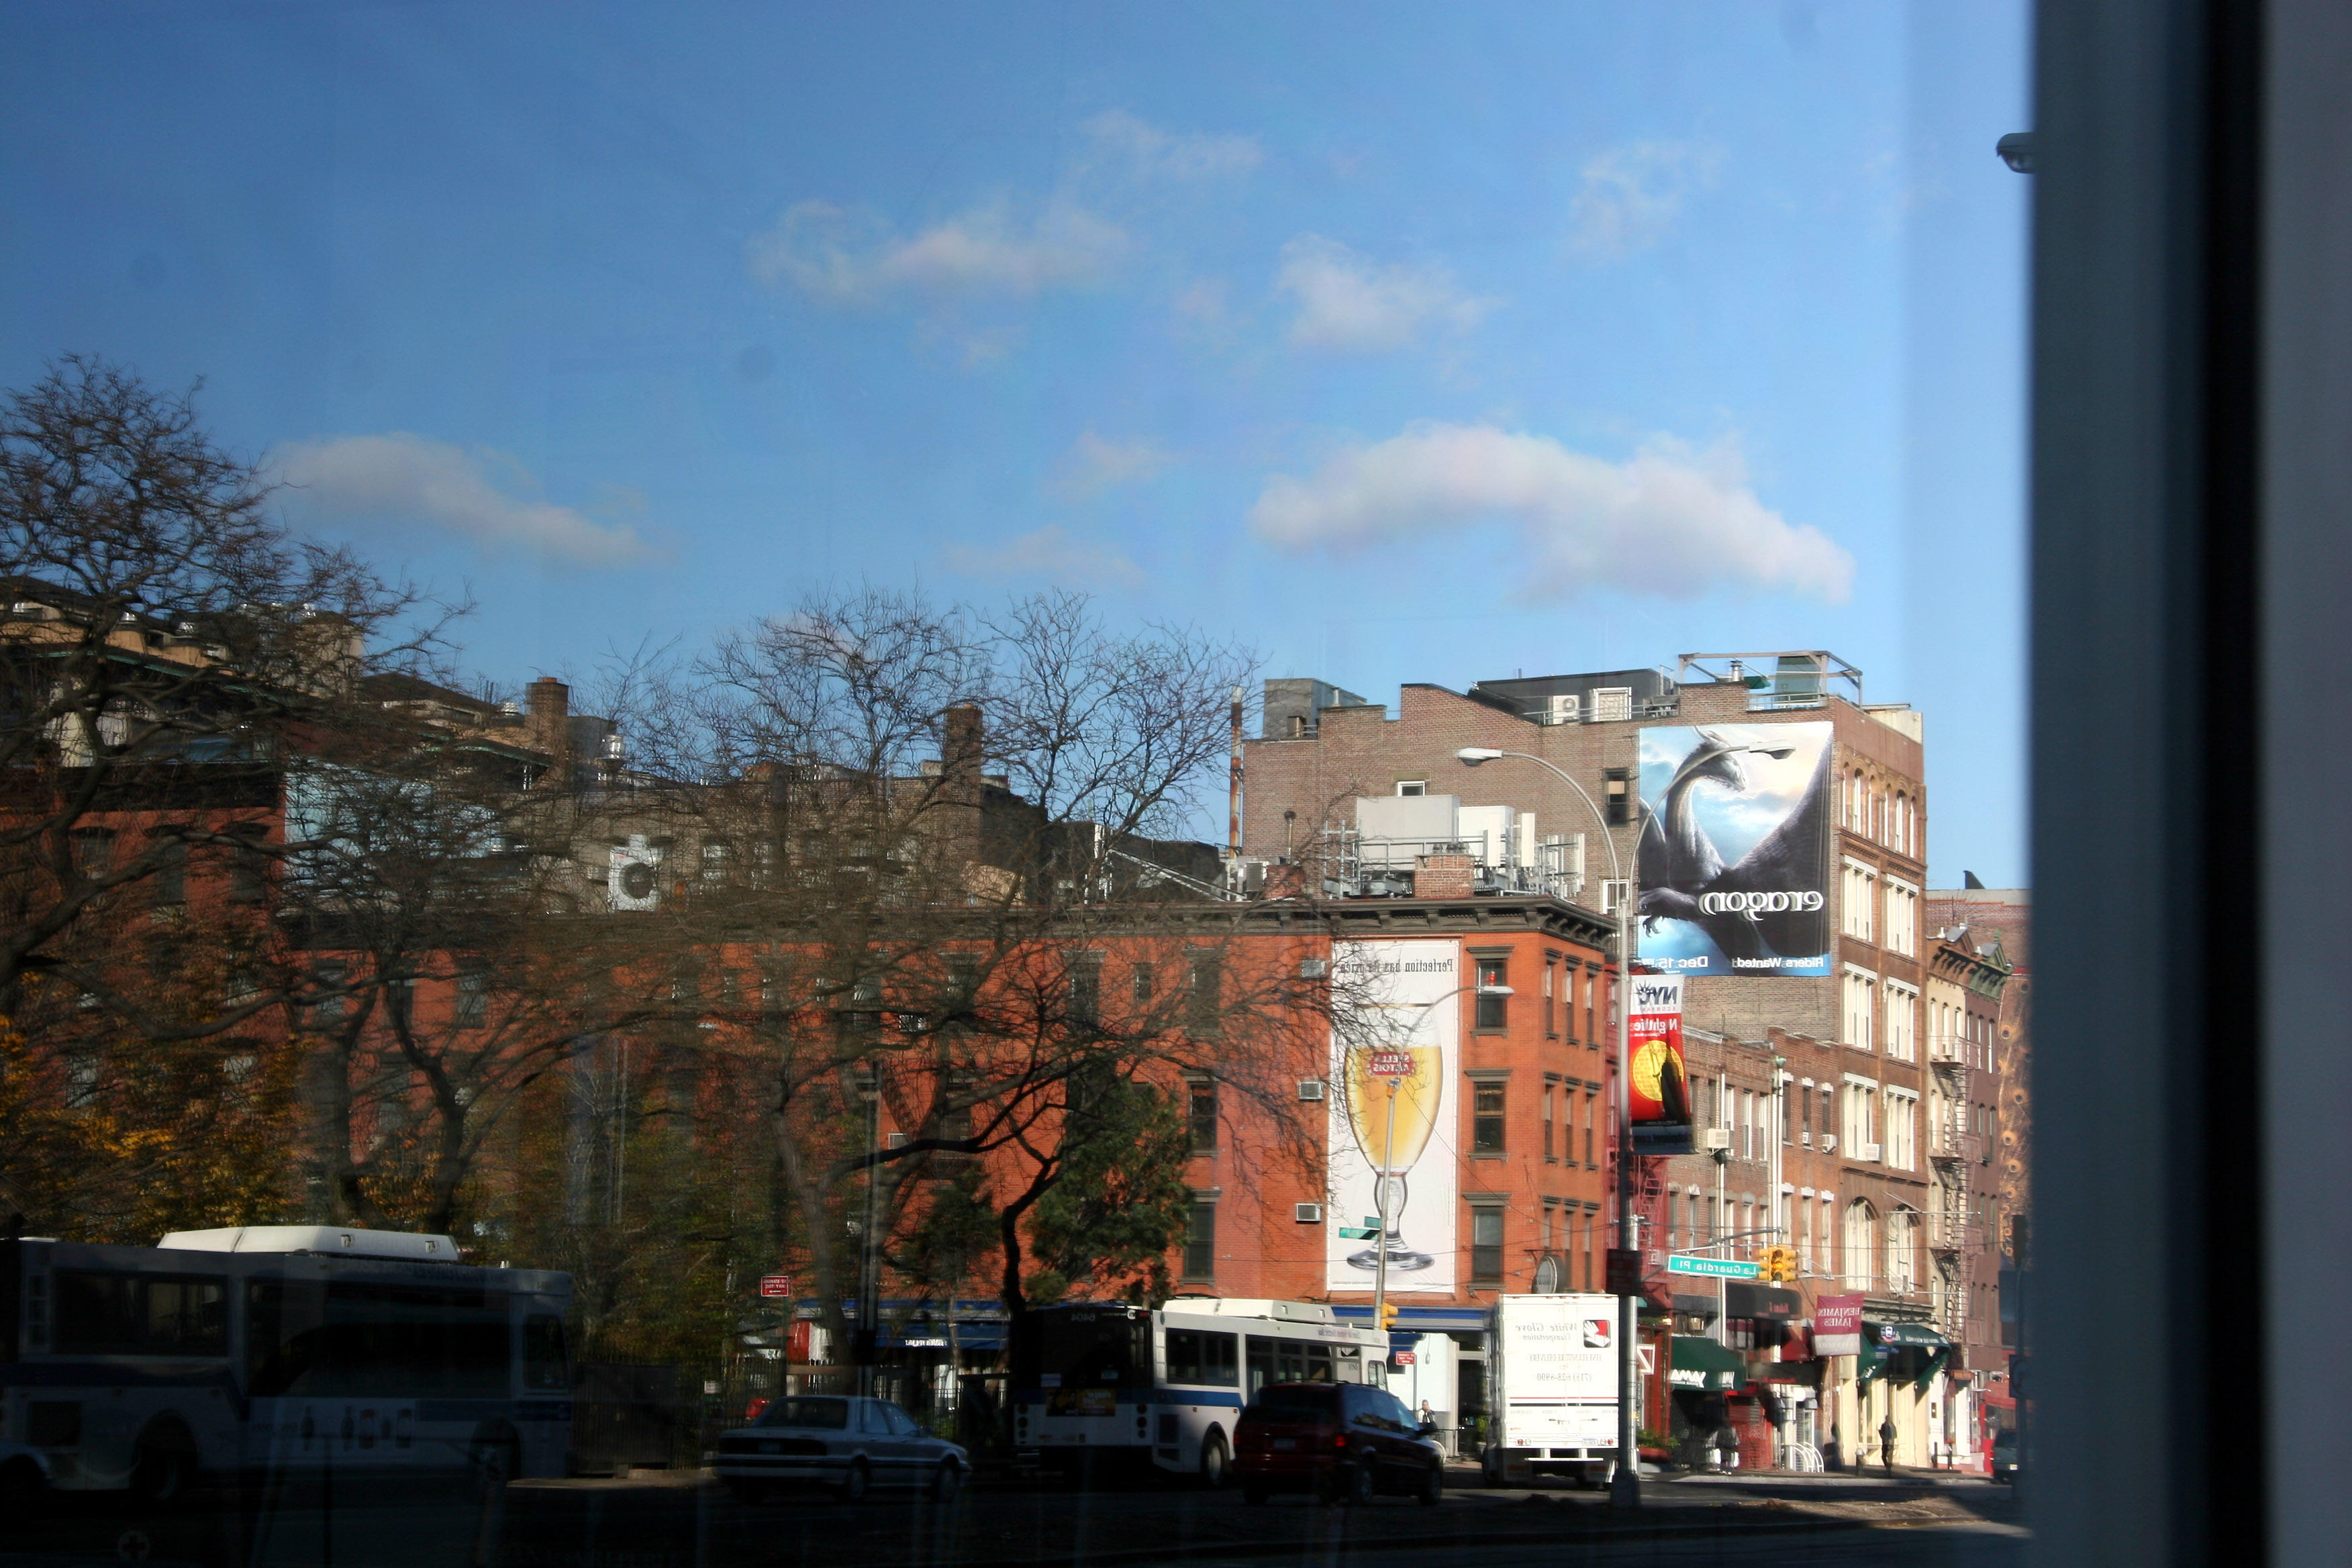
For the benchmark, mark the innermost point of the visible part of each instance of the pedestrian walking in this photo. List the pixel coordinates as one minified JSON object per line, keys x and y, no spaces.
{"x":1887,"y":1442}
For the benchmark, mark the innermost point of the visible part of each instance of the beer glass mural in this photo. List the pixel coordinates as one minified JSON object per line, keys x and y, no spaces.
{"x":1400,"y":1015}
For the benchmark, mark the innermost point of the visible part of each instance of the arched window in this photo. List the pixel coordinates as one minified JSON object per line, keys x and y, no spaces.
{"x":1861,"y":1245}
{"x":1902,"y":1235}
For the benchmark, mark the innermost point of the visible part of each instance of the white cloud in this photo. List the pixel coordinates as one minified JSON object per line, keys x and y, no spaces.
{"x":1350,"y":303}
{"x":855,"y":257}
{"x":1669,"y":521}
{"x":1632,"y":194}
{"x":1151,"y":152}
{"x":403,"y":480}
{"x":1094,"y":464}
{"x":1051,"y":553}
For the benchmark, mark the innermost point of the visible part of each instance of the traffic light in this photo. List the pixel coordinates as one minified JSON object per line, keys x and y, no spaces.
{"x":1777,"y":1263}
{"x":1388,"y":1317}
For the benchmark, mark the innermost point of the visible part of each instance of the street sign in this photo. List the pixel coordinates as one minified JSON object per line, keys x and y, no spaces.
{"x":1392,"y":1064}
{"x":774,"y":1285}
{"x":1713,"y":1267}
{"x":1357,"y":1232}
{"x":1402,"y":1358}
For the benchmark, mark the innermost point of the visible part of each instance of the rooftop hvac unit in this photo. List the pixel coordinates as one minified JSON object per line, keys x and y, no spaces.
{"x":1307,"y":1214}
{"x":636,"y":882}
{"x":1310,"y":1088}
{"x":1563,"y":708}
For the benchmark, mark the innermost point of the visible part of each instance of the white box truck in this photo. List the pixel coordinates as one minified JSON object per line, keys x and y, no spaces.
{"x":1553,"y":1364}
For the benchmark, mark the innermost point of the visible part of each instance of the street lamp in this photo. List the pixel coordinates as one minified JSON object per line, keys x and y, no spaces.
{"x":1625,"y":1485}
{"x":1383,"y":1174}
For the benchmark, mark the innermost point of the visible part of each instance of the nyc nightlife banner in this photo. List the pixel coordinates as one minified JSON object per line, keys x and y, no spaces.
{"x":1735,"y":859}
{"x":1394,"y":1131}
{"x":1658,"y":1088}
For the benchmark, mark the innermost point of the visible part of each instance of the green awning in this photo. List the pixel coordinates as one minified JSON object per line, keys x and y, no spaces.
{"x":1901,"y":1336}
{"x":1701,"y":1364}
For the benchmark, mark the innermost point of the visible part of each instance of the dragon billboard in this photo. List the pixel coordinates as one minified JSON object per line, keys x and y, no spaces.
{"x":1735,"y":862}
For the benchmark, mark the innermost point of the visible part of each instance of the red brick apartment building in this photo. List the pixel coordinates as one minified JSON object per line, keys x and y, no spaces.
{"x":1836,"y":1063}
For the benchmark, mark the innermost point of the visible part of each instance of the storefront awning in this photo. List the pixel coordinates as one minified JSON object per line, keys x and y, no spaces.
{"x":1702,"y":1364}
{"x":1902,"y":1336}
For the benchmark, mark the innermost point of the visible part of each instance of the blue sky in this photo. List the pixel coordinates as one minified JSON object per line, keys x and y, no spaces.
{"x":1403,"y":342}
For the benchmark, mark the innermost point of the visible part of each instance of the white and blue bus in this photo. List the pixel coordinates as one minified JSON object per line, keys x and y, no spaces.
{"x":1098,"y":1384}
{"x":278,"y":1350}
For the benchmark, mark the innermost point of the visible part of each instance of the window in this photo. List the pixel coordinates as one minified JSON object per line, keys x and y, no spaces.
{"x":1861,"y":1245}
{"x":1203,"y":1359}
{"x":168,"y":887}
{"x":1549,"y":1154}
{"x":1591,"y":1110}
{"x":328,"y":981}
{"x":1485,"y":1244}
{"x":1902,"y":1230}
{"x":101,"y":1313}
{"x":93,"y":851}
{"x":543,"y":1363}
{"x":1901,"y":1027}
{"x":1902,"y":918}
{"x":1486,"y":1118}
{"x":1412,"y":786}
{"x":1203,"y":999}
{"x":1086,"y":989}
{"x":1592,"y":1035}
{"x":1859,"y":1117}
{"x":1902,"y":1118}
{"x":1201,"y":1114}
{"x":1201,"y":1243}
{"x":1491,"y":1011}
{"x":1551,"y":1021}
{"x":1861,"y":1000}
{"x":473,"y":998}
{"x":1674,"y":1201}
{"x":1617,"y":791}
{"x":248,"y":868}
{"x":1860,"y":891}
{"x":1139,"y":984}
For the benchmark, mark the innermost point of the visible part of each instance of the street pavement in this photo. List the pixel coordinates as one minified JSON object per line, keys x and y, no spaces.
{"x":685,"y":1521}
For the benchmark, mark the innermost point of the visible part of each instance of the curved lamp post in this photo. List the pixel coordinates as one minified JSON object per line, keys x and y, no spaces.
{"x":1383,"y":1176}
{"x":1625,"y":1484}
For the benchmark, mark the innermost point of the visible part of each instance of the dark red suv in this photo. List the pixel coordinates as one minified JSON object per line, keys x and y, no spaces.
{"x":1344,"y":1441}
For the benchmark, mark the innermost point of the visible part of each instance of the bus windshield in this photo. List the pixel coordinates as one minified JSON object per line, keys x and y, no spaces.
{"x":1083,"y":1348}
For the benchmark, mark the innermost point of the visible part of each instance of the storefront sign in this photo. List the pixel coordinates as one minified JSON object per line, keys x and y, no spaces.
{"x":774,"y":1285}
{"x":1837,"y":1325}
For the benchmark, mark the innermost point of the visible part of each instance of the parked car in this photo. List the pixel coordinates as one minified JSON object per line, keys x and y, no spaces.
{"x":849,"y":1444}
{"x":2004,"y":1456}
{"x":1343,"y":1442}
{"x":23,"y":1482}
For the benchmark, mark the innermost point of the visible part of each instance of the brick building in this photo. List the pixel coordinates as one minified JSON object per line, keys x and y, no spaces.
{"x":1357,"y":797}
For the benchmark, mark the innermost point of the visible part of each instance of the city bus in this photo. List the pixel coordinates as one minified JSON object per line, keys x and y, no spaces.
{"x":1103,"y":1384}
{"x":278,"y":1351}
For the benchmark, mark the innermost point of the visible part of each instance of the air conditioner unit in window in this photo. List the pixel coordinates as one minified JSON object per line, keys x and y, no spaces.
{"x":635,"y":880}
{"x":1307,"y":1214}
{"x":1867,"y":1151}
{"x":1829,"y":1142}
{"x":1310,"y":1088}
{"x":1714,"y":1138}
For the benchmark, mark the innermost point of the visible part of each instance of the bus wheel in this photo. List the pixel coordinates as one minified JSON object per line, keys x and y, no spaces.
{"x":163,"y":1469}
{"x":1216,"y":1461}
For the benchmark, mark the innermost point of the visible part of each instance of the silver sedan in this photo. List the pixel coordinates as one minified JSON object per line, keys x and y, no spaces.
{"x":850,"y":1444}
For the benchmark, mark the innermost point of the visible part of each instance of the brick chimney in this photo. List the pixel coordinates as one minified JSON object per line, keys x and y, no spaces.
{"x":1443,"y":875}
{"x":963,"y":786}
{"x":547,"y":726}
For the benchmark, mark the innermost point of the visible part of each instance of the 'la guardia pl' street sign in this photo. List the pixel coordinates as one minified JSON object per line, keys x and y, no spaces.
{"x":1713,"y":1267}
